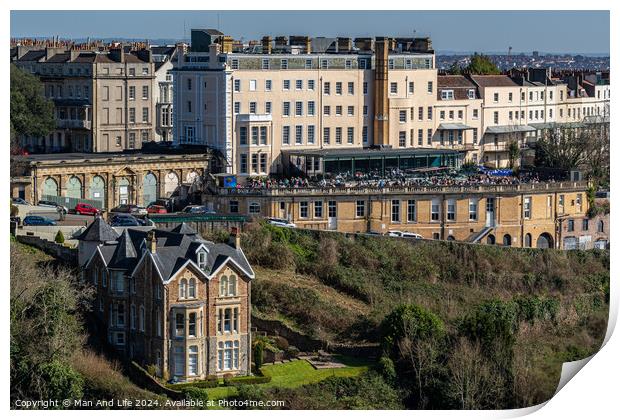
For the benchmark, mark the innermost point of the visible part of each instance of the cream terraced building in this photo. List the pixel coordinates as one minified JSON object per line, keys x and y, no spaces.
{"x":301,"y":94}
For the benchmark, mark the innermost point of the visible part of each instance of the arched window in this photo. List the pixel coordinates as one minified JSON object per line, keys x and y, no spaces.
{"x":223,"y":285}
{"x":601,"y":226}
{"x":507,"y":240}
{"x":183,"y":289}
{"x":450,"y":238}
{"x":192,"y":288}
{"x":232,"y":285}
{"x":254,"y":208}
{"x":491,"y":240}
{"x":528,"y":240}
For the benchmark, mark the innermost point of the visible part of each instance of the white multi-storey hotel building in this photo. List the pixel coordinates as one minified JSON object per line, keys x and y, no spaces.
{"x":257,"y":107}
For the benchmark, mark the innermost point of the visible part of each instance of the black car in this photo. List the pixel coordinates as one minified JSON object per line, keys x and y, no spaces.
{"x":126,"y":220}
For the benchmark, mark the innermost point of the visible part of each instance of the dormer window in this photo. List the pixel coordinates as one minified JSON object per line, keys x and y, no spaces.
{"x":202,"y":260}
{"x":447,"y":95}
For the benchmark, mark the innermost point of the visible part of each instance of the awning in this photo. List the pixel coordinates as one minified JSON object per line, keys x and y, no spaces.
{"x":550,"y":125}
{"x":502,"y":129}
{"x":454,"y":126}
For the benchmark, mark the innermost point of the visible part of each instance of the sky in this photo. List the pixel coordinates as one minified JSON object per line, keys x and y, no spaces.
{"x":455,"y":31}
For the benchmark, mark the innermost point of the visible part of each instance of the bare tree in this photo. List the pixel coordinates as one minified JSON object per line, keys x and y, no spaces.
{"x":473,"y":381}
{"x":423,"y":357}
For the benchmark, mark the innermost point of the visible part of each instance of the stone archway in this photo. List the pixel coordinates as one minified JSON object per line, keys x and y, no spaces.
{"x":124,"y":193}
{"x":149,"y":189}
{"x":544,"y":241}
{"x":171,"y":182}
{"x":491,"y":240}
{"x":191,"y":176}
{"x":74,"y":188}
{"x":50,"y":187}
{"x":96,"y":190}
{"x":507,"y":240}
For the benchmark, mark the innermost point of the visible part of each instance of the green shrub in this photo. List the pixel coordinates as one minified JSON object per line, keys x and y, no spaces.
{"x":280,"y":342}
{"x":258,"y":355}
{"x":387,"y":369}
{"x":291,"y":352}
{"x":62,"y":381}
{"x":250,"y":380}
{"x":60,"y":237}
{"x":227,"y":378}
{"x":152,"y":370}
{"x":196,"y":394}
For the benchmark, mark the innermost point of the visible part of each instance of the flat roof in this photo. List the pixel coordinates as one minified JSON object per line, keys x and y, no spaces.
{"x":99,"y":157}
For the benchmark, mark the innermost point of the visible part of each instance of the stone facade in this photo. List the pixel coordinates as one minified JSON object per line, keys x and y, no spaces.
{"x":513,"y":215}
{"x":188,"y":324}
{"x":105,"y":101}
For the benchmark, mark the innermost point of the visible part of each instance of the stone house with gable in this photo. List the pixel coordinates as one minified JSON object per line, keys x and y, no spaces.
{"x":170,"y":299}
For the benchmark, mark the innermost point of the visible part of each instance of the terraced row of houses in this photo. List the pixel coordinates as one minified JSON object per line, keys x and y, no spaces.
{"x":305,"y":94}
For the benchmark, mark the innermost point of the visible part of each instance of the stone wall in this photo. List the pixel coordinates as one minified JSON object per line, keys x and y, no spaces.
{"x":60,"y":252}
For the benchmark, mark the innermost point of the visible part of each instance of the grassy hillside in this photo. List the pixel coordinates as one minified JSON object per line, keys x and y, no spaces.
{"x":333,"y":287}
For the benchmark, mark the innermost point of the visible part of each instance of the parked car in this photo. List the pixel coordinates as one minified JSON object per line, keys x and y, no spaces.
{"x":83,"y":208}
{"x":126,"y":220}
{"x":412,"y":235}
{"x":38,"y":221}
{"x":280,"y":222}
{"x":196,"y":209}
{"x":155,"y":209}
{"x":395,"y":233}
{"x":373,"y":233}
{"x":18,"y":200}
{"x":46,"y":203}
{"x":130,"y":209}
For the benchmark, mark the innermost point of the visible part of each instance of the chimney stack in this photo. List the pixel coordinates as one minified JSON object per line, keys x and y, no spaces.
{"x":266,"y":42}
{"x":227,"y":44}
{"x":235,"y":237}
{"x":151,"y":241}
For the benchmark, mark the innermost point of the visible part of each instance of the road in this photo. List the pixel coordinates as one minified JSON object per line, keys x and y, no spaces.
{"x":70,"y":219}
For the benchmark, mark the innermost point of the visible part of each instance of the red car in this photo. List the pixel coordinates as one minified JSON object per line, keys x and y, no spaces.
{"x":155,"y":209}
{"x":83,"y":208}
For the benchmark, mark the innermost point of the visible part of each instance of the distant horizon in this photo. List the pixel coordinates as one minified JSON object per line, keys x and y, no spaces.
{"x":549,"y":32}
{"x":167,"y":41}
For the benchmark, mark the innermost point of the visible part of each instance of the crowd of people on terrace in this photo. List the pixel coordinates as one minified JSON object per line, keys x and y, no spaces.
{"x":393,"y":178}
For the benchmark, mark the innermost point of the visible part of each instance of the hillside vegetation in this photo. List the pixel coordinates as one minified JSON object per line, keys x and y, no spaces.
{"x":50,"y":358}
{"x":521,"y":312}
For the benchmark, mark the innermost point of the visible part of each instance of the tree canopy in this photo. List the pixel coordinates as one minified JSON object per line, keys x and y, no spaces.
{"x":31,"y":113}
{"x":481,"y":64}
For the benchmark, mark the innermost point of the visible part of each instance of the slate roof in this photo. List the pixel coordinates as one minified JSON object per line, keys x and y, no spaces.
{"x":173,"y":250}
{"x":34,"y":55}
{"x":460,"y":85}
{"x":98,"y":231}
{"x":493,"y":80}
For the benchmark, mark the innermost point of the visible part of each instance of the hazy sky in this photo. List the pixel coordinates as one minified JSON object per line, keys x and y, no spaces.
{"x":486,"y":31}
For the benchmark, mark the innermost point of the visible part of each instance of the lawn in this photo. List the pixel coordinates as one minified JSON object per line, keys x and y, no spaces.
{"x":295,"y":374}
